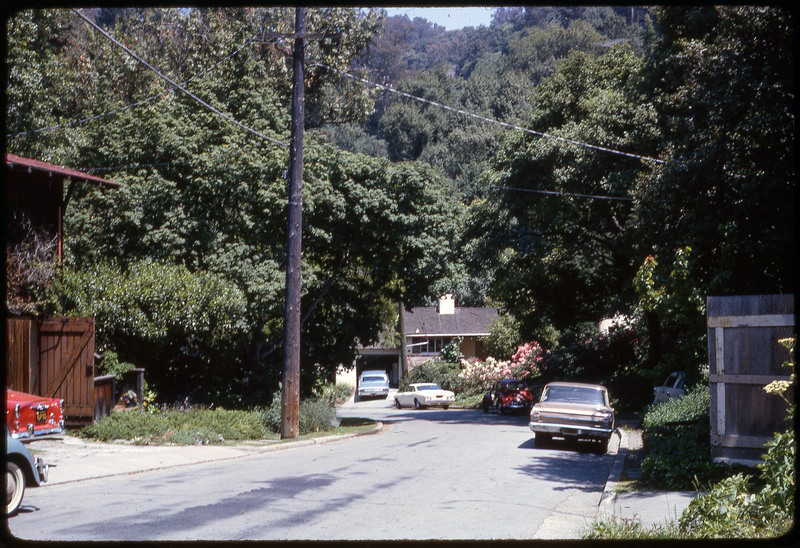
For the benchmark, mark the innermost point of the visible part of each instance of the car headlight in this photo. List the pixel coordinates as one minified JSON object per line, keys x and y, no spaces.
{"x":535,"y":415}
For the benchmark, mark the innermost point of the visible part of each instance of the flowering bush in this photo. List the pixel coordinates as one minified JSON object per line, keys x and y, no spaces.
{"x":525,"y":364}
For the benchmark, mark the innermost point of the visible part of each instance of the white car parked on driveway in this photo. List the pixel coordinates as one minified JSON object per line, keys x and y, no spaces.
{"x":424,"y":394}
{"x":373,"y":384}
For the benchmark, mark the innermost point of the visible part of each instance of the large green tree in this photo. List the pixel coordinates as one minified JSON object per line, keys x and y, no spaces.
{"x":722,"y":78}
{"x":559,"y":223}
{"x":207,"y":198}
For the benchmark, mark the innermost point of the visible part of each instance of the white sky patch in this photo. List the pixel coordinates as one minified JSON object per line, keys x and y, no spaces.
{"x":450,"y":18}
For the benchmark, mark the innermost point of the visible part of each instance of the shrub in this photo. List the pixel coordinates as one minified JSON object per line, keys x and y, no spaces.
{"x":525,"y":364}
{"x":334,"y":394}
{"x":504,"y":337}
{"x":445,"y":374}
{"x":677,"y":443}
{"x":316,"y":415}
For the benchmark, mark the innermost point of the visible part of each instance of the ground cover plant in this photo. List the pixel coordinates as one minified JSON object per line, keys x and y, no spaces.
{"x":191,"y":424}
{"x":676,"y":436}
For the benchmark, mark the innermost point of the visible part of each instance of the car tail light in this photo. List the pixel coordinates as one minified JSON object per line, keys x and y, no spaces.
{"x":16,"y":411}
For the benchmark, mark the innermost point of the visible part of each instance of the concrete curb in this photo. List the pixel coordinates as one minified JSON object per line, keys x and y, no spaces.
{"x":605,"y":509}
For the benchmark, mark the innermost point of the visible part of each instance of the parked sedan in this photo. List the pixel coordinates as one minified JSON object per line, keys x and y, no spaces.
{"x":573,"y":411}
{"x":424,"y":394}
{"x":21,"y":470}
{"x":373,"y":384}
{"x":508,"y":395}
{"x":31,"y":417}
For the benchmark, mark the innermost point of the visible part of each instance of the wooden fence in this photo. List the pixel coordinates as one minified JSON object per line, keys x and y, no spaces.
{"x":744,"y":356}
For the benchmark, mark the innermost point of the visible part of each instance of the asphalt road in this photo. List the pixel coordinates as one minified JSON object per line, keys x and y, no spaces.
{"x":431,"y":474}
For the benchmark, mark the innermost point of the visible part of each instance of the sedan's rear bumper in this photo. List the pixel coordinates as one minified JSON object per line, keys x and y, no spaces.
{"x":571,"y":431}
{"x":376,"y":393}
{"x":437,"y":403}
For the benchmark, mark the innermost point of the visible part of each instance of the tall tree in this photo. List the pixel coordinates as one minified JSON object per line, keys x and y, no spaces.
{"x":562,"y":234}
{"x":723,"y":79}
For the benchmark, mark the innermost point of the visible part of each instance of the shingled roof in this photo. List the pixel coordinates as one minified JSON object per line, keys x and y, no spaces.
{"x":463,"y":322}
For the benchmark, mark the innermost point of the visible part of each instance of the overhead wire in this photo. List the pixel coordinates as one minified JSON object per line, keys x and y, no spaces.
{"x":554,"y":193}
{"x":490,"y":120}
{"x":177,"y":85}
{"x":180,"y":87}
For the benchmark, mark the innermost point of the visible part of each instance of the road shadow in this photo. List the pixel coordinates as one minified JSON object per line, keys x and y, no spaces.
{"x":573,"y":465}
{"x":458,"y":416}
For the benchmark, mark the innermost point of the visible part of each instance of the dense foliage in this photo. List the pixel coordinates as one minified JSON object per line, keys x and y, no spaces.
{"x":676,"y":443}
{"x":655,"y":168}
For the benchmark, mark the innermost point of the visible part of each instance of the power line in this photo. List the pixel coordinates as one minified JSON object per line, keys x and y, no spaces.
{"x":176,"y":85}
{"x":492,"y":120}
{"x":138,"y":103}
{"x":554,"y":193}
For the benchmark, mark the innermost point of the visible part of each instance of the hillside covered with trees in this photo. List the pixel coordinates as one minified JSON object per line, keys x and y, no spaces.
{"x":566,"y":164}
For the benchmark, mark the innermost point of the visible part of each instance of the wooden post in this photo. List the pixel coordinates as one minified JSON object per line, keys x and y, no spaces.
{"x":290,"y":395}
{"x":403,"y":348}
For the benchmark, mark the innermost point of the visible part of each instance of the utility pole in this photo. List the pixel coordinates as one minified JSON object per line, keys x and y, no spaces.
{"x":290,"y":396}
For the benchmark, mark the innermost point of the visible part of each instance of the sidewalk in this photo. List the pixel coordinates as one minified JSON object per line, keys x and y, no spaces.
{"x":646,"y":507}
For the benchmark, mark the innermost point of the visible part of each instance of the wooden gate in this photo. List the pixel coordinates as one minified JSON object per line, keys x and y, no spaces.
{"x":744,"y":356}
{"x":66,"y":366}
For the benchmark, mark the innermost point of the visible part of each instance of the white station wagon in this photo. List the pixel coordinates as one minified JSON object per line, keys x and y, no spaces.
{"x":424,"y":394}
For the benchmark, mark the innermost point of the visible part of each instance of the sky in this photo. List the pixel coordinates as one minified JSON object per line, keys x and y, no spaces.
{"x":449,"y":18}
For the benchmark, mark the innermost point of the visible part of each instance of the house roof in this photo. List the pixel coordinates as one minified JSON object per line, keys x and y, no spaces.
{"x":14,"y":162}
{"x":465,"y":322}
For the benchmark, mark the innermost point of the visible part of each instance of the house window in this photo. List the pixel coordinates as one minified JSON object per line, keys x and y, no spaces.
{"x":427,"y":345}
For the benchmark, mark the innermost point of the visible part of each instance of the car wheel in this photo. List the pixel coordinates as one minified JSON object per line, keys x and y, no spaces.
{"x":416,"y":404}
{"x":15,"y":487}
{"x":485,"y":406}
{"x":397,"y":403}
{"x":541,"y":440}
{"x":602,"y":447}
{"x":500,"y":409}
{"x":445,"y":407}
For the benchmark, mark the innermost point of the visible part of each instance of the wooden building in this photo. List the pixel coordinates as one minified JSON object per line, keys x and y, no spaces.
{"x":51,"y":357}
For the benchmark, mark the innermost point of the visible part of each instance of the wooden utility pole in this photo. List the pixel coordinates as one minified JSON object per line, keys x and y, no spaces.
{"x":290,"y":396}
{"x":401,"y":308}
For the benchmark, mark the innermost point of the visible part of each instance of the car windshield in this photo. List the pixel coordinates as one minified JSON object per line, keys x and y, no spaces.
{"x":429,"y":387}
{"x":574,"y":394}
{"x":515,"y":385}
{"x":373,"y":379}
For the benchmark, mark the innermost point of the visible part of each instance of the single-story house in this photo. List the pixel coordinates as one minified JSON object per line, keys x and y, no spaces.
{"x":428,"y":330}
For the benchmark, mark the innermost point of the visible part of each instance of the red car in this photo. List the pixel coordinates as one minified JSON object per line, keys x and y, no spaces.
{"x":32,"y":417}
{"x":508,"y":395}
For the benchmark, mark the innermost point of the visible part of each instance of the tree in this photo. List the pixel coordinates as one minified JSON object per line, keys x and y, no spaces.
{"x":568,"y":257}
{"x":722,"y":77}
{"x":204,"y":201}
